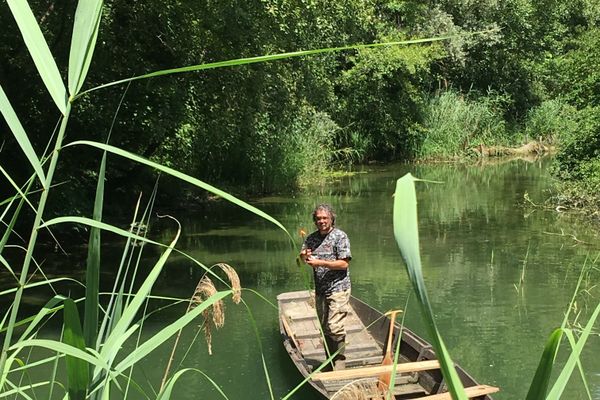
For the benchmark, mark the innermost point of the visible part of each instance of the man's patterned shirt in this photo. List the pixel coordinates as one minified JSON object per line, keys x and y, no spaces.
{"x":334,"y":246}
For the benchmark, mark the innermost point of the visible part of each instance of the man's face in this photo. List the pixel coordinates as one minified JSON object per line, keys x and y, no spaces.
{"x":323,"y":222}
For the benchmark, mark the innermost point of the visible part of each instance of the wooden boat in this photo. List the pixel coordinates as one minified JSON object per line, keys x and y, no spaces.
{"x":417,"y":374}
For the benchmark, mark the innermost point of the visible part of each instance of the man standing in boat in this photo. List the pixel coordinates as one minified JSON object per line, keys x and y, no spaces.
{"x":327,"y":252}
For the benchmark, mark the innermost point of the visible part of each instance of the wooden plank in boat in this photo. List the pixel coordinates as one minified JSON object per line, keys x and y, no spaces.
{"x":473,"y":391}
{"x":334,"y":386}
{"x":350,"y":330}
{"x":410,"y":389}
{"x":350,"y":348}
{"x":302,"y":294}
{"x":355,"y":373}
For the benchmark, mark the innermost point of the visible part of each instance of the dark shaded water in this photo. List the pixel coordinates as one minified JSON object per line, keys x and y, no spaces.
{"x":500,"y":274}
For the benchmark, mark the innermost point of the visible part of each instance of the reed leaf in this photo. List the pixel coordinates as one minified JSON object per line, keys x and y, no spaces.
{"x":406,"y":233}
{"x":77,"y":369}
{"x":37,"y":363}
{"x":21,"y":391}
{"x":49,"y":308}
{"x":20,"y":193}
{"x":111,"y":228}
{"x":40,"y":52}
{"x":20,"y":135}
{"x":10,"y":226}
{"x":92,"y":272}
{"x":98,"y":224}
{"x":183,"y":177}
{"x":541,"y":379}
{"x":8,"y":268}
{"x":37,"y":284}
{"x":164,"y":334}
{"x":109,"y":349}
{"x":63,"y":348}
{"x":573,"y":343}
{"x":168,"y":391}
{"x":564,"y":376}
{"x":273,"y":57}
{"x":83,"y":42}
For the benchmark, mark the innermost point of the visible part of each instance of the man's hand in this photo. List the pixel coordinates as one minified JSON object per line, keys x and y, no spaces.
{"x":306,"y":255}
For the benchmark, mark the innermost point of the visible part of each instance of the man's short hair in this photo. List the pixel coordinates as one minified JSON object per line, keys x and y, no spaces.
{"x":327,"y":208}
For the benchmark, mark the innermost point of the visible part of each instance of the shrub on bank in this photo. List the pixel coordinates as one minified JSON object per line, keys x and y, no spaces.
{"x":578,"y":159}
{"x":306,"y":150}
{"x":550,"y":122}
{"x":453,"y":124}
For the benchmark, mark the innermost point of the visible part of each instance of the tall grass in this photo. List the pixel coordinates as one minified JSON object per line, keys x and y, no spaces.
{"x":552,"y":121}
{"x":454,"y":124}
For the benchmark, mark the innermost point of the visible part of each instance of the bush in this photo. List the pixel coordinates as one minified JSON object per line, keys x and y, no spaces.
{"x":581,"y":146}
{"x":307,"y":151}
{"x":578,"y":160}
{"x":551,"y":121}
{"x":380,"y":99}
{"x":289,"y":153}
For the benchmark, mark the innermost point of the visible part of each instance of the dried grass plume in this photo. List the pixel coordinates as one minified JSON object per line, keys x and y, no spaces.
{"x":234,"y":280}
{"x":361,"y":389}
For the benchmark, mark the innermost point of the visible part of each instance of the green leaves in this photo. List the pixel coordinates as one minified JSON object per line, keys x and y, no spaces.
{"x":262,"y":59}
{"x":77,"y":369}
{"x":92,"y":272}
{"x":83,"y":41}
{"x":406,"y":232}
{"x":20,"y":135}
{"x":539,"y":385}
{"x":562,"y":380}
{"x":38,"y":48}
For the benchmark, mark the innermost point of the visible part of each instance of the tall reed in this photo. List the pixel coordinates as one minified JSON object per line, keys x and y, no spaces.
{"x":455,"y":123}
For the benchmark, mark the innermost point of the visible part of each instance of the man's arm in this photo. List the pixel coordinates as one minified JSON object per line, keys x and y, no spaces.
{"x":335,"y":264}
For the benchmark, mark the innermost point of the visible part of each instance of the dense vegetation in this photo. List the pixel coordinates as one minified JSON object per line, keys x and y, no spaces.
{"x":269,"y":125}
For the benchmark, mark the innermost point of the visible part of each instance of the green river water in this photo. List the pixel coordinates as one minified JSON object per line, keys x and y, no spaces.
{"x":500,"y":274}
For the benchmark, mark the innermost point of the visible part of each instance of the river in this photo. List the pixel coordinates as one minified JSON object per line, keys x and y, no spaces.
{"x":500,"y":273}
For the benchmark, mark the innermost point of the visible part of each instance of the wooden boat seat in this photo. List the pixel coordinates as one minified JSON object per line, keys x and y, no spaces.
{"x":357,"y":373}
{"x":473,"y":391}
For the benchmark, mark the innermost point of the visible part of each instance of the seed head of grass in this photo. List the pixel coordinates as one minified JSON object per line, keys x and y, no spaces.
{"x":204,"y":290}
{"x":361,"y":389}
{"x":234,"y":280}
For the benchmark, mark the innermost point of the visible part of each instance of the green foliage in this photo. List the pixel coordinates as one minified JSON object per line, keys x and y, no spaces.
{"x":77,"y":369}
{"x":551,"y":121}
{"x":578,"y":161}
{"x":576,"y":74}
{"x":304,"y":150}
{"x":380,"y":99}
{"x":454,"y":124}
{"x":581,"y":146}
{"x":406,"y":233}
{"x":541,"y":380}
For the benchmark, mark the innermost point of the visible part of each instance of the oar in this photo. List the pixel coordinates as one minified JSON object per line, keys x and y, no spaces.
{"x":386,"y":377}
